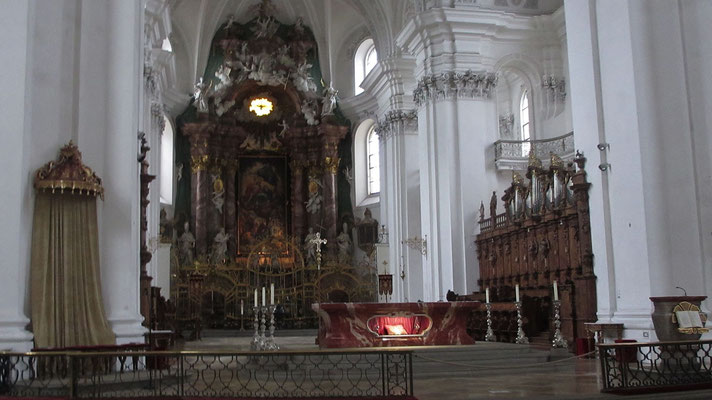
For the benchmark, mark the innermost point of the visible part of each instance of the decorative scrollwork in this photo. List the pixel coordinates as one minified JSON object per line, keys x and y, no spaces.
{"x":397,"y":122}
{"x":417,"y":243}
{"x":452,"y":84}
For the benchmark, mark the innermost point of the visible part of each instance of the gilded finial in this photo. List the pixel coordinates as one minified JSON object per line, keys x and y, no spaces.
{"x":534,"y":162}
{"x":516,"y":178}
{"x":556,"y":161}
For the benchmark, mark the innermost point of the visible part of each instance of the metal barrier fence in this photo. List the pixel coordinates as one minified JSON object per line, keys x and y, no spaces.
{"x":636,"y":367}
{"x":357,"y":373}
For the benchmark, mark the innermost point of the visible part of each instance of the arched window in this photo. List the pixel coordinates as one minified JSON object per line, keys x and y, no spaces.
{"x":365,"y":59}
{"x":524,"y":123}
{"x":374,"y":174}
{"x":166,"y":182}
{"x":366,"y":165}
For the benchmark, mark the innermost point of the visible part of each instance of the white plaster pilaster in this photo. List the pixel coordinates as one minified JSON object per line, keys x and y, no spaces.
{"x":398,"y":141}
{"x":14,"y":22}
{"x":645,"y":211}
{"x":457,"y":123}
{"x":120,"y":213}
{"x":697,"y":58}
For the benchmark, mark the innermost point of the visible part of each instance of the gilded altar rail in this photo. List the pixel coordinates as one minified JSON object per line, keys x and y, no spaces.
{"x":345,"y":373}
{"x":647,"y":367}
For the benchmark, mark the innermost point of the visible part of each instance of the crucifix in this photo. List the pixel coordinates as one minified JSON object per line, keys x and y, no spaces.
{"x":318,"y":241}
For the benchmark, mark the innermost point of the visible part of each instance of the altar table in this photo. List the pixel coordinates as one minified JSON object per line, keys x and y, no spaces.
{"x":393,"y":324}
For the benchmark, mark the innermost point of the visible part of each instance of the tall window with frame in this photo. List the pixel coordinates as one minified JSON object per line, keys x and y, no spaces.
{"x":166,"y":174}
{"x":365,"y":58}
{"x":525,"y":123}
{"x":373,"y":163}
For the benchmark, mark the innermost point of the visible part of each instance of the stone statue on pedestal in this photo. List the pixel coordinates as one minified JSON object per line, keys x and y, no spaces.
{"x":313,"y":204}
{"x":187,"y":246}
{"x":219,"y":254}
{"x":345,"y":245}
{"x":310,"y":247}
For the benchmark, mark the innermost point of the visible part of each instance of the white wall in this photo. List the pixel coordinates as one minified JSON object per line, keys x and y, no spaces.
{"x":15,"y":195}
{"x":628,"y":67}
{"x":697,"y":57}
{"x":75,"y":75}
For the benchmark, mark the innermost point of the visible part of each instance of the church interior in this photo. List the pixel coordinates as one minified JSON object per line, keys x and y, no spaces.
{"x":371,"y":175}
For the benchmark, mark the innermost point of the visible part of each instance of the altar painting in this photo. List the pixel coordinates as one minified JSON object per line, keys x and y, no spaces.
{"x":261,"y":201}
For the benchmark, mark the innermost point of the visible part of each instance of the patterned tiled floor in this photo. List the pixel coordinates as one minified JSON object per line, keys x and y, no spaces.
{"x":567,"y":379}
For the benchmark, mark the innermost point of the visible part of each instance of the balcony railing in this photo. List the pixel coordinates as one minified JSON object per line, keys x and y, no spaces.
{"x":362,"y":373}
{"x":514,"y":154}
{"x":644,"y":367}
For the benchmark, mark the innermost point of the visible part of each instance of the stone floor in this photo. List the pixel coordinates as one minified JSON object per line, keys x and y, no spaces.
{"x":572,"y":378}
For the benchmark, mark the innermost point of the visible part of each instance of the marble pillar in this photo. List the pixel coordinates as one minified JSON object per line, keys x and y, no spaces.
{"x":331,"y":216}
{"x":299,"y":227}
{"x":200,"y":190}
{"x":229,"y":208}
{"x":215,"y":216}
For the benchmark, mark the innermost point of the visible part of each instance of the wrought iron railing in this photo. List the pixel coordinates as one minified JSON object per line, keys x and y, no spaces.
{"x":348,"y":373}
{"x":635,"y":367}
{"x":510,"y":154}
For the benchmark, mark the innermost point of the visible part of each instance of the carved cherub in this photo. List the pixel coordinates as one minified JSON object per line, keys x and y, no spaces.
{"x":285,"y":127}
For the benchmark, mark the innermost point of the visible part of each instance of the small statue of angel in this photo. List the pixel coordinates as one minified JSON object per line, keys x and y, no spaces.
{"x":328,"y":102}
{"x":200,"y":94}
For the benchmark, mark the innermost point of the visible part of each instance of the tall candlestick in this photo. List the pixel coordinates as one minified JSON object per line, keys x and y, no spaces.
{"x":256,"y":298}
{"x":516,"y":291}
{"x":487,"y":295}
{"x":264,"y":303}
{"x":242,"y":307}
{"x":271,"y":294}
{"x":556,"y":291}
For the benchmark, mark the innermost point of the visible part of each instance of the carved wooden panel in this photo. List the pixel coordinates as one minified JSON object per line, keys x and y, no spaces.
{"x":543,"y":236}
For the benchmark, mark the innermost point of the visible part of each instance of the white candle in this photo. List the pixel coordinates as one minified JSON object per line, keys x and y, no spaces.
{"x":264,"y":303}
{"x":256,"y":298}
{"x":242,"y":307}
{"x":271,"y":294}
{"x":487,"y":295}
{"x":556,"y":292}
{"x":516,"y":290}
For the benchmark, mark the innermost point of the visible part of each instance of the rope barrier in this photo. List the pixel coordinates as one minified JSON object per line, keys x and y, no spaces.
{"x":475,"y":367}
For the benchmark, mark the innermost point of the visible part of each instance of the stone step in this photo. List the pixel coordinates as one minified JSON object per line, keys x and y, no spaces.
{"x":477,"y":360}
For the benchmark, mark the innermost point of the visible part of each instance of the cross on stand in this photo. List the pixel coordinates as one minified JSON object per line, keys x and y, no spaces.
{"x":318,"y":241}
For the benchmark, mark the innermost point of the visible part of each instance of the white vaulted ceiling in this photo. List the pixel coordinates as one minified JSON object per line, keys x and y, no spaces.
{"x":338,"y":25}
{"x":195,"y":22}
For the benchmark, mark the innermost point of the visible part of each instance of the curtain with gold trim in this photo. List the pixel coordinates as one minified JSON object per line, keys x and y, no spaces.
{"x":66,"y":298}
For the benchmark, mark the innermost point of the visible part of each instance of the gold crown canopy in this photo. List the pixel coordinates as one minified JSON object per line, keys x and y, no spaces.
{"x":69,"y":173}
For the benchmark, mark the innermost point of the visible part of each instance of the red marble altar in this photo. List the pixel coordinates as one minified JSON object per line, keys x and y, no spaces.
{"x":363,"y":324}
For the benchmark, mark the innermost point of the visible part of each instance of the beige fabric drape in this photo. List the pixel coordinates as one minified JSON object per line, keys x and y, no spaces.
{"x":67,"y":307}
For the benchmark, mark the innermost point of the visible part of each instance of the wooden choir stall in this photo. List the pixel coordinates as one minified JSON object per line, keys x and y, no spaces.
{"x":543,"y":236}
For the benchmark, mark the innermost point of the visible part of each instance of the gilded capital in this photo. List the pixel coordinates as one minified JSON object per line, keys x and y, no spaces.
{"x":331,"y":165}
{"x":199,"y":163}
